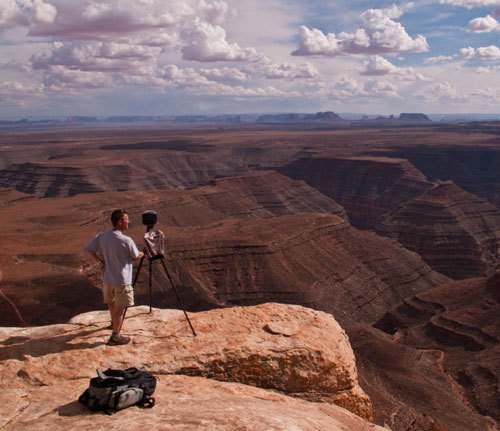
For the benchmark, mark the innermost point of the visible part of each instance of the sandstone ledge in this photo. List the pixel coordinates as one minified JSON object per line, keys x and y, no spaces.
{"x":286,"y":348}
{"x":182,"y":403}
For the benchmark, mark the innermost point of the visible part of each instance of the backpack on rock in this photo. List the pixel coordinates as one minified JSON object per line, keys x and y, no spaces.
{"x":119,"y":389}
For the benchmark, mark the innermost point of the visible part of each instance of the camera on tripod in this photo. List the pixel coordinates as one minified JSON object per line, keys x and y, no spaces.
{"x":154,"y":251}
{"x":154,"y":239}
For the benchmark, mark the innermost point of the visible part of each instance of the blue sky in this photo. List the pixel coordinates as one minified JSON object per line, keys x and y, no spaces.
{"x":159,"y":57}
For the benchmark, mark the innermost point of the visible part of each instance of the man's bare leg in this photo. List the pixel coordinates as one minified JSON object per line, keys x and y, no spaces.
{"x":116,"y":316}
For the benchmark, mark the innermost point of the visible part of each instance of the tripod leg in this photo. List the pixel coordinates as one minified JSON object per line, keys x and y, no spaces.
{"x":138,"y":270}
{"x":150,"y":282}
{"x":177,"y":295}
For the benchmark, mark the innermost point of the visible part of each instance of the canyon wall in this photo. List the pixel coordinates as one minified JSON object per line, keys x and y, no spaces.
{"x":317,"y":260}
{"x":474,"y":168}
{"x":455,"y":232}
{"x":367,"y":188}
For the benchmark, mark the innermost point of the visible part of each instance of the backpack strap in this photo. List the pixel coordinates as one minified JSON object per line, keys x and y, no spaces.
{"x":103,"y":375}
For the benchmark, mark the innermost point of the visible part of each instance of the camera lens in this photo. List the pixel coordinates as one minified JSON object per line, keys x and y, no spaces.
{"x":149,"y":218}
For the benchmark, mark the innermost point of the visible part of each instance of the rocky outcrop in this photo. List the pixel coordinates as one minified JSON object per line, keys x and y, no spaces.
{"x":286,"y":349}
{"x":367,"y":188}
{"x":455,"y":232}
{"x":457,"y":324}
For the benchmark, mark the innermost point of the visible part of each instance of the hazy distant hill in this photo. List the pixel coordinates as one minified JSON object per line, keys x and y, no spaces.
{"x":300,"y":118}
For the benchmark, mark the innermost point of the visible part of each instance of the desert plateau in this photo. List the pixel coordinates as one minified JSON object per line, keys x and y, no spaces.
{"x":341,"y":275}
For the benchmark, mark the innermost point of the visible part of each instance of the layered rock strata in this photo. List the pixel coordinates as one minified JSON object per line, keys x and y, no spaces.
{"x":40,"y":180}
{"x":317,"y":260}
{"x":287,"y":349}
{"x":367,"y":188}
{"x":455,"y":232}
{"x":265,"y":194}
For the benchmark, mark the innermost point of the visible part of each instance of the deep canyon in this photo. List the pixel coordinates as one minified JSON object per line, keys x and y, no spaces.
{"x":394,"y":231}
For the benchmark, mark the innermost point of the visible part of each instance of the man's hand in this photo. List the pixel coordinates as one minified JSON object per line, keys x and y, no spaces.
{"x":97,"y":259}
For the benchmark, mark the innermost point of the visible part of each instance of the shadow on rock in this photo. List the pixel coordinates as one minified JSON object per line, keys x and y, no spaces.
{"x":19,"y":347}
{"x":73,"y":409}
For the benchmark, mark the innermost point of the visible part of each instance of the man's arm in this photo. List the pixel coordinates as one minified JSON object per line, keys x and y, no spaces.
{"x":96,"y":258}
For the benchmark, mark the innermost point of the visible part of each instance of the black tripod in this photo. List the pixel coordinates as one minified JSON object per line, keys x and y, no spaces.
{"x":151,"y":259}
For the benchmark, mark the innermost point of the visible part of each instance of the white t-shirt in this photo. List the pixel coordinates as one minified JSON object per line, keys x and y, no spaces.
{"x":118,"y":252}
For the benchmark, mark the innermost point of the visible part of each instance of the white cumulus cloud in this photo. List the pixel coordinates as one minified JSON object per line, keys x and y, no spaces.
{"x":44,"y":12}
{"x":224,"y":74}
{"x":206,"y":82}
{"x":346,"y":88}
{"x":441,"y":92}
{"x":378,"y":33}
{"x":59,"y":78}
{"x":11,"y":15}
{"x":491,"y":52}
{"x":469,"y":4}
{"x":99,"y":56}
{"x":483,"y":25}
{"x":220,"y":89}
{"x":379,"y":66}
{"x":142,"y":20}
{"x":14,"y":93}
{"x":488,"y":95}
{"x":439,"y":59}
{"x":268,"y":68}
{"x":206,"y":42}
{"x":487,"y":69}
{"x":184,"y":76}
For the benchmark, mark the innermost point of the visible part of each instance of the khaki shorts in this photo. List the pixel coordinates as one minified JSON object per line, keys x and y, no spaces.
{"x":122,"y":296}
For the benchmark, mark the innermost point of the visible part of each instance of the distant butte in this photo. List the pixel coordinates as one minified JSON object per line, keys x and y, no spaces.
{"x":413,"y":117}
{"x":301,"y":118}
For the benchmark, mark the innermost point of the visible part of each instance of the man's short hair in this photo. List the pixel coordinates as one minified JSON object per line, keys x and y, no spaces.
{"x":116,"y":216}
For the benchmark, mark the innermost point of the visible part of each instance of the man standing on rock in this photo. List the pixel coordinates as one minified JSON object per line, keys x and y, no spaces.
{"x":116,"y":253}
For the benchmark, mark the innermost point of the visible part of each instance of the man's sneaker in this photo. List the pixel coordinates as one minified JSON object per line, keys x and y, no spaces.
{"x":118,"y":340}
